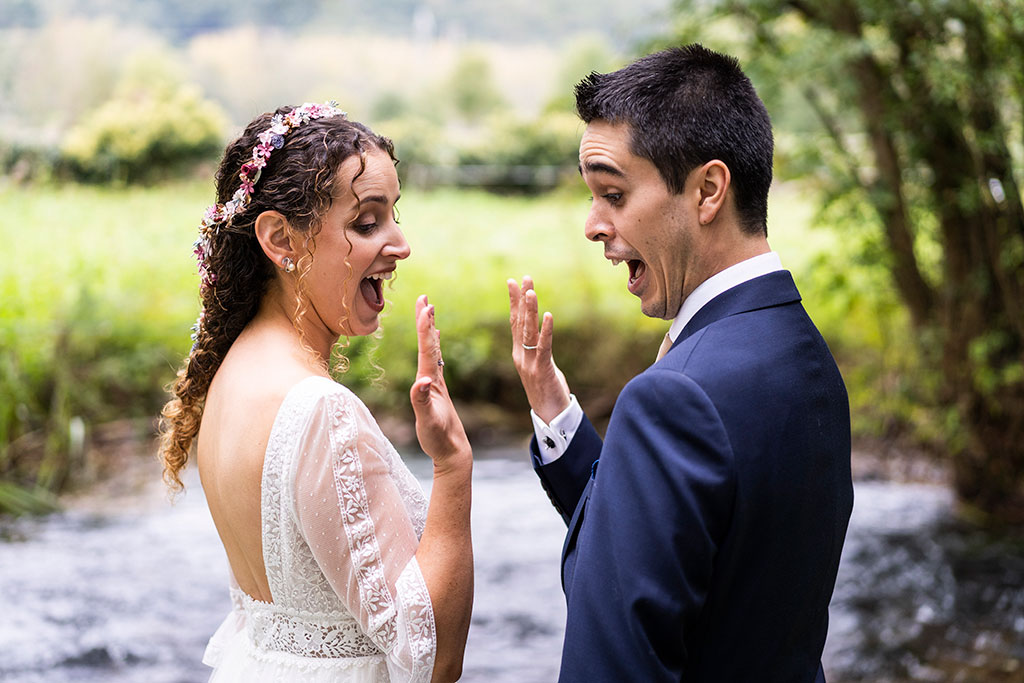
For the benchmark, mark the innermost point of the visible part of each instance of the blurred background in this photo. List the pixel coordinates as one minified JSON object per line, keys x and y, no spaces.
{"x":896,"y":204}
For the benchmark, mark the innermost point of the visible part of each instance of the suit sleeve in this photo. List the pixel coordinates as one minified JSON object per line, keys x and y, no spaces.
{"x":659,"y":508}
{"x":565,"y":478}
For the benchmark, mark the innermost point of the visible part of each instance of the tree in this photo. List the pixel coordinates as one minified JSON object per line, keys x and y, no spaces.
{"x":920,"y":110}
{"x":155,"y":123}
{"x":471,"y":87}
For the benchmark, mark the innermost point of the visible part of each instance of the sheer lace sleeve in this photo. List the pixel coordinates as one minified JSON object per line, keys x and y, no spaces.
{"x":349,"y":508}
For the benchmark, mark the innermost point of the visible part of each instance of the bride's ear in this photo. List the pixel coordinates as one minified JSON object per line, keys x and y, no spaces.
{"x":275,"y":237}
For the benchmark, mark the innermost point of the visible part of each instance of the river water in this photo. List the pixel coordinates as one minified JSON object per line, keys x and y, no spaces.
{"x":127,"y":588}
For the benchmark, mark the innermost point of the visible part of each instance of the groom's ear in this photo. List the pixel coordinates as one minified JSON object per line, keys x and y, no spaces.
{"x":713,"y":180}
{"x":275,"y":234}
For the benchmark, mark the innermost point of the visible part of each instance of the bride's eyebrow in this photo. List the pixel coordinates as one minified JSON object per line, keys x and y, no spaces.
{"x":378,"y":199}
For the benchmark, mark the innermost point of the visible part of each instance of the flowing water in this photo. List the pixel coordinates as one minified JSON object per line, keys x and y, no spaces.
{"x":128,"y":588}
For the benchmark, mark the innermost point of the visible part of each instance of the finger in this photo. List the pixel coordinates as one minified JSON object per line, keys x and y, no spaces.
{"x":426,"y":338}
{"x":419,"y":394}
{"x":547,"y":330}
{"x":530,"y":318}
{"x":514,"y":295}
{"x":527,"y":283}
{"x":421,"y":303}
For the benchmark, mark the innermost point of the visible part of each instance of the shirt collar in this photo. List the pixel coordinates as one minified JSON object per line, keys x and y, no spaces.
{"x":720,"y":282}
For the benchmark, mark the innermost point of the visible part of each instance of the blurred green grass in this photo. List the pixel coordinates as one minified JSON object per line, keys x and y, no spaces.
{"x":98,"y":292}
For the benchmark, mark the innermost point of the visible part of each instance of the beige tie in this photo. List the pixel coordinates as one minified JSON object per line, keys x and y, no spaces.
{"x":666,"y":344}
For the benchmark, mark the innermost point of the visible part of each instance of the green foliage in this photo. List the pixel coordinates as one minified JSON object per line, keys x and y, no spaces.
{"x":101,"y":291}
{"x":907,"y":118}
{"x":471,"y":89}
{"x":501,"y":153}
{"x":549,"y":140}
{"x":583,"y":56}
{"x":389,"y":106}
{"x":26,"y":162}
{"x":153,"y":125}
{"x":95,"y":306}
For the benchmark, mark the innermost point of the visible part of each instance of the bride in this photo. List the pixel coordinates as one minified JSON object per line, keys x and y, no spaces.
{"x":340,"y":570}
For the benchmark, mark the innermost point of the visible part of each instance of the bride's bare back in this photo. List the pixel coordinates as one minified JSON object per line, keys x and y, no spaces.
{"x":241,"y":405}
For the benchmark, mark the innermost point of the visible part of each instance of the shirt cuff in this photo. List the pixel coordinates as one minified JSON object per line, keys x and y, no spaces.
{"x":553,"y":440}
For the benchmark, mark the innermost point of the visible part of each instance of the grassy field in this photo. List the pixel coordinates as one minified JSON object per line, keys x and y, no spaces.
{"x":98,"y":292}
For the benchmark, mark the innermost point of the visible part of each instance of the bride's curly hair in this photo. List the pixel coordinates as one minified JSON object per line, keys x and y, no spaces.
{"x":299,"y":182}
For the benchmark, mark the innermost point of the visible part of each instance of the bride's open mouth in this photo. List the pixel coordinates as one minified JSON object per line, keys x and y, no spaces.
{"x":372,"y":289}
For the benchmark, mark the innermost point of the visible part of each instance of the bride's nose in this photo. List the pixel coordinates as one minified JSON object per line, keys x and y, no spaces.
{"x":397,"y":247}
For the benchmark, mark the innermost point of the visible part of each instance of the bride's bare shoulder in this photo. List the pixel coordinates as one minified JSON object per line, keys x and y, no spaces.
{"x":249,"y":387}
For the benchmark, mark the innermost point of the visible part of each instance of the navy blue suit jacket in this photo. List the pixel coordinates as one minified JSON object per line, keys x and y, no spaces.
{"x":704,"y":544}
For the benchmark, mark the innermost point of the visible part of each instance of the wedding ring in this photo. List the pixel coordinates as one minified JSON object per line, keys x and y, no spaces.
{"x":440,"y":362}
{"x":530,"y":348}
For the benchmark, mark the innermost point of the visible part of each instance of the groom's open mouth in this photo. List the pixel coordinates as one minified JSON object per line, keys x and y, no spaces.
{"x":637,"y":270}
{"x":372,"y":289}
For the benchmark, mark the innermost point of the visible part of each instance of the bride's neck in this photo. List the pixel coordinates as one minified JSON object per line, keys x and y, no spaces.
{"x":275,"y":318}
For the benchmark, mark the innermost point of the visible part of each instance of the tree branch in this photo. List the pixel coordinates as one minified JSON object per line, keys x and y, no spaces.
{"x":768,"y":40}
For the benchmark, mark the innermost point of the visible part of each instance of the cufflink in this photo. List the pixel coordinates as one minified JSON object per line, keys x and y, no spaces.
{"x":548,"y":442}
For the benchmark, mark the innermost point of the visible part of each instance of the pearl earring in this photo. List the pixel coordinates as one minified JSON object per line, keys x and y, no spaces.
{"x":287,"y":264}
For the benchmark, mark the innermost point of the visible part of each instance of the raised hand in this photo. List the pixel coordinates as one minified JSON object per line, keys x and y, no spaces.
{"x":438,"y":427}
{"x":545,"y":385}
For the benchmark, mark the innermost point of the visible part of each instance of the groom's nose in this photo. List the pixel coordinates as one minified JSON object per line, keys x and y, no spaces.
{"x":597,"y":227}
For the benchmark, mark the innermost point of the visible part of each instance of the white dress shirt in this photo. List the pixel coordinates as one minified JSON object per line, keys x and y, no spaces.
{"x":553,"y":439}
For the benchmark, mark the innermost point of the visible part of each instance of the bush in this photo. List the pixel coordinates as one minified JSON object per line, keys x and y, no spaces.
{"x":552,"y":139}
{"x":144,"y":133}
{"x":26,"y":161}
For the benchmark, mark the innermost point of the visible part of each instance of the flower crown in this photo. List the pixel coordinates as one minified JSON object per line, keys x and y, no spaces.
{"x":221,"y":214}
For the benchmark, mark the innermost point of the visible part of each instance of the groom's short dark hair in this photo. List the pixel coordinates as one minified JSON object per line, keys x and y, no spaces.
{"x":686,"y":106}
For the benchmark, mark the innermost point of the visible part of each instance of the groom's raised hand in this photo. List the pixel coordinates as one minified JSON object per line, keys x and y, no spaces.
{"x":545,"y":385}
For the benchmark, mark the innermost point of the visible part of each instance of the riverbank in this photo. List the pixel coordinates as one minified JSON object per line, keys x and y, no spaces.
{"x":124,"y":587}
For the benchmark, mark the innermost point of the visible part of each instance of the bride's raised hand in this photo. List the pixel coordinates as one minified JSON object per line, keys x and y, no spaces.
{"x":438,"y":427}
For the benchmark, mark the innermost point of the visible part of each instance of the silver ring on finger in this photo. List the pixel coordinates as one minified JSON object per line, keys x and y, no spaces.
{"x":440,"y":362}
{"x":530,"y":348}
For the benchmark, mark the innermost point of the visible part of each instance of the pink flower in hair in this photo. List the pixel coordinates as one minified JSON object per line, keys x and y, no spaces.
{"x":269,"y":140}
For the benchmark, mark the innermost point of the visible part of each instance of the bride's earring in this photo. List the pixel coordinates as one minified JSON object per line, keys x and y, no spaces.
{"x":287,"y":265}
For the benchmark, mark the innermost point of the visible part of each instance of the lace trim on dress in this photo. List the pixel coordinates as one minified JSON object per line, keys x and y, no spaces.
{"x":311,"y":665}
{"x":419,"y":620}
{"x":293,"y":578}
{"x":307,"y":618}
{"x":374,"y":595}
{"x":273,"y":628}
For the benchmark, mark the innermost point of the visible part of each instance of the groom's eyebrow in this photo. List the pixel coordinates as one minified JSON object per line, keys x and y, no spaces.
{"x":599,"y":167}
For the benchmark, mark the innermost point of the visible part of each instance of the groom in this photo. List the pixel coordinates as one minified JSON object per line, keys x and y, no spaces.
{"x":705,"y":530}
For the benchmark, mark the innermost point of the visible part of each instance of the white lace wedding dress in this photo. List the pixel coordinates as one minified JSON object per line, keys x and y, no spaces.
{"x":342,"y":518}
